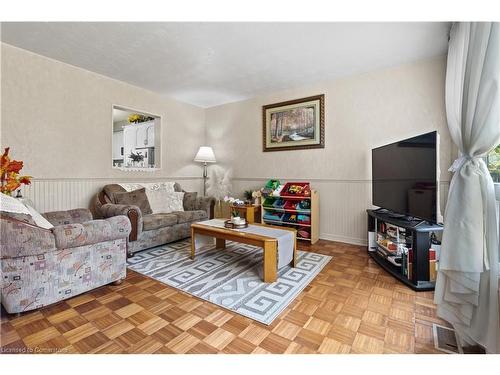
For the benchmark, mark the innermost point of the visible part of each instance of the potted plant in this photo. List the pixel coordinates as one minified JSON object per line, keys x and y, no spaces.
{"x":136,"y":158}
{"x":235,"y":214}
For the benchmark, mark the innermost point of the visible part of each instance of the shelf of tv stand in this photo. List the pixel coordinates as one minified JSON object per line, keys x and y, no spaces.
{"x":419,"y":231}
{"x":396,"y":272}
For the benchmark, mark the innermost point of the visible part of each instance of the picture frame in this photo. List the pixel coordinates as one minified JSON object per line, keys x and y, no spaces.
{"x":294,"y":125}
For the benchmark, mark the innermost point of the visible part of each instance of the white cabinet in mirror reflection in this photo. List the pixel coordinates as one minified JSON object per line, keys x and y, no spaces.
{"x":150,"y":130}
{"x":134,"y":142}
{"x":129,"y":141}
{"x":118,"y":145}
{"x":145,"y":134}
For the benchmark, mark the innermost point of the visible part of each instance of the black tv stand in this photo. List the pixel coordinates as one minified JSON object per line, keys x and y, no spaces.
{"x":394,"y":215}
{"x":415,"y":234}
{"x":409,"y":219}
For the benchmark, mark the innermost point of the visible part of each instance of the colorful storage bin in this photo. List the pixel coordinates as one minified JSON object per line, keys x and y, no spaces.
{"x":279,"y":203}
{"x":268,"y":202}
{"x":296,"y":189}
{"x":274,"y":216}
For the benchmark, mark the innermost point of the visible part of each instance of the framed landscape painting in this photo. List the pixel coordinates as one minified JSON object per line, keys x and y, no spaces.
{"x":295,"y":124}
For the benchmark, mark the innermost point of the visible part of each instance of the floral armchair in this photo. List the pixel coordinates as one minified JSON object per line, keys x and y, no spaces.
{"x":42,"y":266}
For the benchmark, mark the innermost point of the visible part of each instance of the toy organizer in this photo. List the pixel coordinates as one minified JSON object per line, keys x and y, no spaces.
{"x":293,"y":204}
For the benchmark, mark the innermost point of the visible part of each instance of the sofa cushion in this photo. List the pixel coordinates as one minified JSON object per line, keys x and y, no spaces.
{"x":19,"y":217}
{"x":78,"y":215}
{"x":136,"y":197}
{"x":155,"y":221}
{"x":189,"y":201}
{"x":188,"y":216}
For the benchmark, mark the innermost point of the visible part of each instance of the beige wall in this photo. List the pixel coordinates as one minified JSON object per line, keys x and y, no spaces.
{"x":57,"y":119}
{"x":361,"y":112}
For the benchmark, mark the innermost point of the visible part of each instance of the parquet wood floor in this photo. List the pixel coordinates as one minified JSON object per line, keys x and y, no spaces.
{"x":352,"y":306}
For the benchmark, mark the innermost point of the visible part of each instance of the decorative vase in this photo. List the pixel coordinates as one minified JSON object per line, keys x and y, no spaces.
{"x":218,"y":209}
{"x":257,"y":201}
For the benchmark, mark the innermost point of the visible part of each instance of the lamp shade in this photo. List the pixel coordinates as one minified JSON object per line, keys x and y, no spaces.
{"x":205,"y":155}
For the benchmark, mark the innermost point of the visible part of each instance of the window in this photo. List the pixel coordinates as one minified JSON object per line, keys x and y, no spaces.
{"x":493,"y":161}
{"x":136,"y":138}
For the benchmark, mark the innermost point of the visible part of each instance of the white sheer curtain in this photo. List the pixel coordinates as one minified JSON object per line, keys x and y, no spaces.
{"x":467,"y":284}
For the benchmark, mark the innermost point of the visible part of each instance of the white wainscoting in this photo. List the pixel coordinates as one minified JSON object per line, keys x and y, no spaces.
{"x":343,"y":205}
{"x":63,"y":194}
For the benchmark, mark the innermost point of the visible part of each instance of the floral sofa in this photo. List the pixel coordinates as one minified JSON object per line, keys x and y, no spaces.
{"x":150,"y":230}
{"x":42,"y":266}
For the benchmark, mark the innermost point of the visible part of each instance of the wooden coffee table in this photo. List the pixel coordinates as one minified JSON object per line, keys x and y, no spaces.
{"x":269,"y":244}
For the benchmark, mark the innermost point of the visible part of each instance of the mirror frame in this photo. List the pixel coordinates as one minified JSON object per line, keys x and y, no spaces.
{"x":158,"y":132}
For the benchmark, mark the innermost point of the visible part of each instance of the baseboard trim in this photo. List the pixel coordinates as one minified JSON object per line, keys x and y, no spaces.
{"x":315,"y":179}
{"x":345,"y":239}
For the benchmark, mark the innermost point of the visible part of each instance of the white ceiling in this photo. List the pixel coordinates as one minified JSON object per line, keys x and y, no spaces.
{"x":208,"y":64}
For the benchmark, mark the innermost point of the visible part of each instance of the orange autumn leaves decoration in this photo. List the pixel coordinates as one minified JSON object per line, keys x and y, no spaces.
{"x":10,"y":179}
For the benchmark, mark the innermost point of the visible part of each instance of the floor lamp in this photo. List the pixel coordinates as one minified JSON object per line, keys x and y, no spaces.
{"x":205,"y":155}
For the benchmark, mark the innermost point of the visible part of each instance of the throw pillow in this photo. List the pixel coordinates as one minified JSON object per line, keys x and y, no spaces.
{"x":111,"y":189}
{"x":157,"y":193}
{"x":158,"y":200}
{"x":19,"y":210}
{"x":13,"y":205}
{"x":189,"y":201}
{"x":137,"y":198}
{"x":174,"y":202}
{"x":39,"y":219}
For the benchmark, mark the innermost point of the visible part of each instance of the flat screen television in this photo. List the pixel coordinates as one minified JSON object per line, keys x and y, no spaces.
{"x":405,"y":177}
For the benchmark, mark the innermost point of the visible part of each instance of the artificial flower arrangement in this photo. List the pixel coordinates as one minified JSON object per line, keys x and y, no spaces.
{"x":235,"y":214}
{"x":10,"y":179}
{"x":235,"y":202}
{"x":219,"y":186}
{"x":136,"y":118}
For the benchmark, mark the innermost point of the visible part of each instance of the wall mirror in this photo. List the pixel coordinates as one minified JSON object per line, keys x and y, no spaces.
{"x":136,"y":140}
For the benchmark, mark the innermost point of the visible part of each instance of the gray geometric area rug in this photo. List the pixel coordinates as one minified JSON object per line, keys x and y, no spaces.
{"x":230,"y":278}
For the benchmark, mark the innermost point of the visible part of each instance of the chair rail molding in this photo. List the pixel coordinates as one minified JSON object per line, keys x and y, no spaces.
{"x":343,"y":204}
